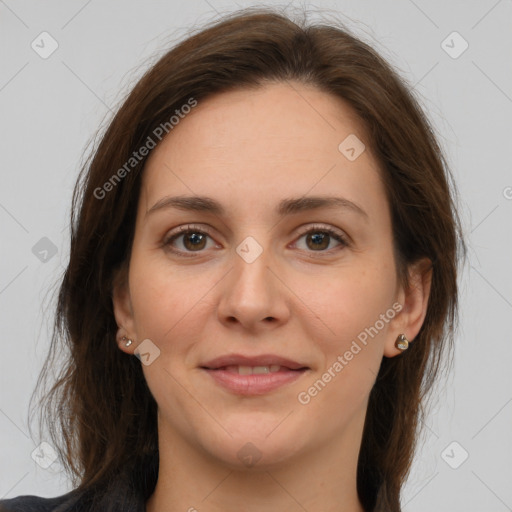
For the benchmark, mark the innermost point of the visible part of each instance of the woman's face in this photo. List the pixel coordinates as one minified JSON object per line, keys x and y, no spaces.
{"x":289,"y":257}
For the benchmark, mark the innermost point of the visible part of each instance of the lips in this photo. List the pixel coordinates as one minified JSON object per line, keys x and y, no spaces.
{"x":265,"y":360}
{"x":258,"y":375}
{"x":254,"y":370}
{"x":255,"y":383}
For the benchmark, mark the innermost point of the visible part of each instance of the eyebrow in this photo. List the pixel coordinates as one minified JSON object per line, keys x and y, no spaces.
{"x":285,"y":207}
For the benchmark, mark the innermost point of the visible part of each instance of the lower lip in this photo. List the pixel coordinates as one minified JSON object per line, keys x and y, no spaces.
{"x":255,"y":384}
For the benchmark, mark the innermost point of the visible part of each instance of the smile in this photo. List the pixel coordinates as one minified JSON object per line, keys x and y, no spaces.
{"x":258,"y":380}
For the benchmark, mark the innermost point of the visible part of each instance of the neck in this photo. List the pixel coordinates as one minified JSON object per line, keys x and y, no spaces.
{"x":321,"y":480}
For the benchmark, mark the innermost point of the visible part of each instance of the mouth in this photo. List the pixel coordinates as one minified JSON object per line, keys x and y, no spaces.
{"x":259,"y":363}
{"x":255,"y":370}
{"x":252,"y":376}
{"x":253,"y":381}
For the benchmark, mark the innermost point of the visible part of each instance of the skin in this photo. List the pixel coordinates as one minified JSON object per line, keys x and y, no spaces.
{"x":250,"y":149}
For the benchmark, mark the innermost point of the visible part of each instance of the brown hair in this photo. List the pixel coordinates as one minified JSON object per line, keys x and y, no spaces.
{"x":100,"y":410}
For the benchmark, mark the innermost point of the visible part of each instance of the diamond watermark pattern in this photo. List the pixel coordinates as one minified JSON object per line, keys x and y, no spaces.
{"x":454,"y":455}
{"x":147,"y":352}
{"x":454,"y":45}
{"x":351,"y":147}
{"x":249,"y":250}
{"x":249,"y":454}
{"x":44,"y":250}
{"x":44,"y":455}
{"x":44,"y":45}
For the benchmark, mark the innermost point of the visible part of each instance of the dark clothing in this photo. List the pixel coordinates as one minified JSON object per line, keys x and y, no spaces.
{"x":127,"y":491}
{"x":71,"y":502}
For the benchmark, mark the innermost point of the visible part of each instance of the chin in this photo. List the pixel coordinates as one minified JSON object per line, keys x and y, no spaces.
{"x":256,"y":450}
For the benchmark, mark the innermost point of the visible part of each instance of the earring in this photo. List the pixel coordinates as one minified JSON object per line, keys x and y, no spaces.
{"x":127,"y":342}
{"x":402,"y":343}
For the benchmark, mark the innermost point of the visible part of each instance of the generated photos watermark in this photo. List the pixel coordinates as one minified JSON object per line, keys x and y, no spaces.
{"x":137,"y":156}
{"x":304,"y":397}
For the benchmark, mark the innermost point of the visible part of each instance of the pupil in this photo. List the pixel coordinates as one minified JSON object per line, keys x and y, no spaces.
{"x":195,"y":240}
{"x":321,"y":240}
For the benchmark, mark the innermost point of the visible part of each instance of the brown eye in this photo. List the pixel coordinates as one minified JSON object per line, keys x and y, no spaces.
{"x":188,"y":240}
{"x":193,"y":241}
{"x":318,"y":240}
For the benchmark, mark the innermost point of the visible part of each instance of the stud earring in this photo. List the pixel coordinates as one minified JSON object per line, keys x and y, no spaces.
{"x":127,"y":342}
{"x":402,"y":343}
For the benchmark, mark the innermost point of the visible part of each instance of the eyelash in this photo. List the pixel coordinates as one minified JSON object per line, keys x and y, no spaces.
{"x":183,"y":230}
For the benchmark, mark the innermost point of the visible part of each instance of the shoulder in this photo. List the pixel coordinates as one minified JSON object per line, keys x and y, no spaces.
{"x":115,"y":500}
{"x":119,"y":494}
{"x":65,"y":503}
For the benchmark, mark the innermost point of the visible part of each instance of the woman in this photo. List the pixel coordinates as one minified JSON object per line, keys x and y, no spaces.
{"x":262,"y":281}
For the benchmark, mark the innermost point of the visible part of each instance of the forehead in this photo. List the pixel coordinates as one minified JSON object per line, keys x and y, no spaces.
{"x":274,"y":140}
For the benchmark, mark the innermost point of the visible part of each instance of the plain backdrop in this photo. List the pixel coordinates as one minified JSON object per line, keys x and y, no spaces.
{"x":51,"y":107}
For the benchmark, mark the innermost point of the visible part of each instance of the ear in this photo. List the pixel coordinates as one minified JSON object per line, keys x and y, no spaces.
{"x":123,"y":310}
{"x":414,"y":301}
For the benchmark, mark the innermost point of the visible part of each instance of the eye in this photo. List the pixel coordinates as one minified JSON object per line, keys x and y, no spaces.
{"x":319,"y":238}
{"x":188,"y":239}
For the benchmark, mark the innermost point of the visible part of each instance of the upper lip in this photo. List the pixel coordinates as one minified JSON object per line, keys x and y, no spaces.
{"x":261,"y":360}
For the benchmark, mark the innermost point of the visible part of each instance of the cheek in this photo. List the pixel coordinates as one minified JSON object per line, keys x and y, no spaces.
{"x":353,"y":300}
{"x":158,"y":294}
{"x":352,"y":345}
{"x":169,"y":307}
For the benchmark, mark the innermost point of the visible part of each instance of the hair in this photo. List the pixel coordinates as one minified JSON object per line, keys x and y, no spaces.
{"x":100,"y":412}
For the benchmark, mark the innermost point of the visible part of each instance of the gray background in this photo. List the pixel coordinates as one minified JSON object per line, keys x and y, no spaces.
{"x":50,"y":108}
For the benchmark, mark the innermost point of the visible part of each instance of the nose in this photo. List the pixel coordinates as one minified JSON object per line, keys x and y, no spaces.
{"x":252,"y":296}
